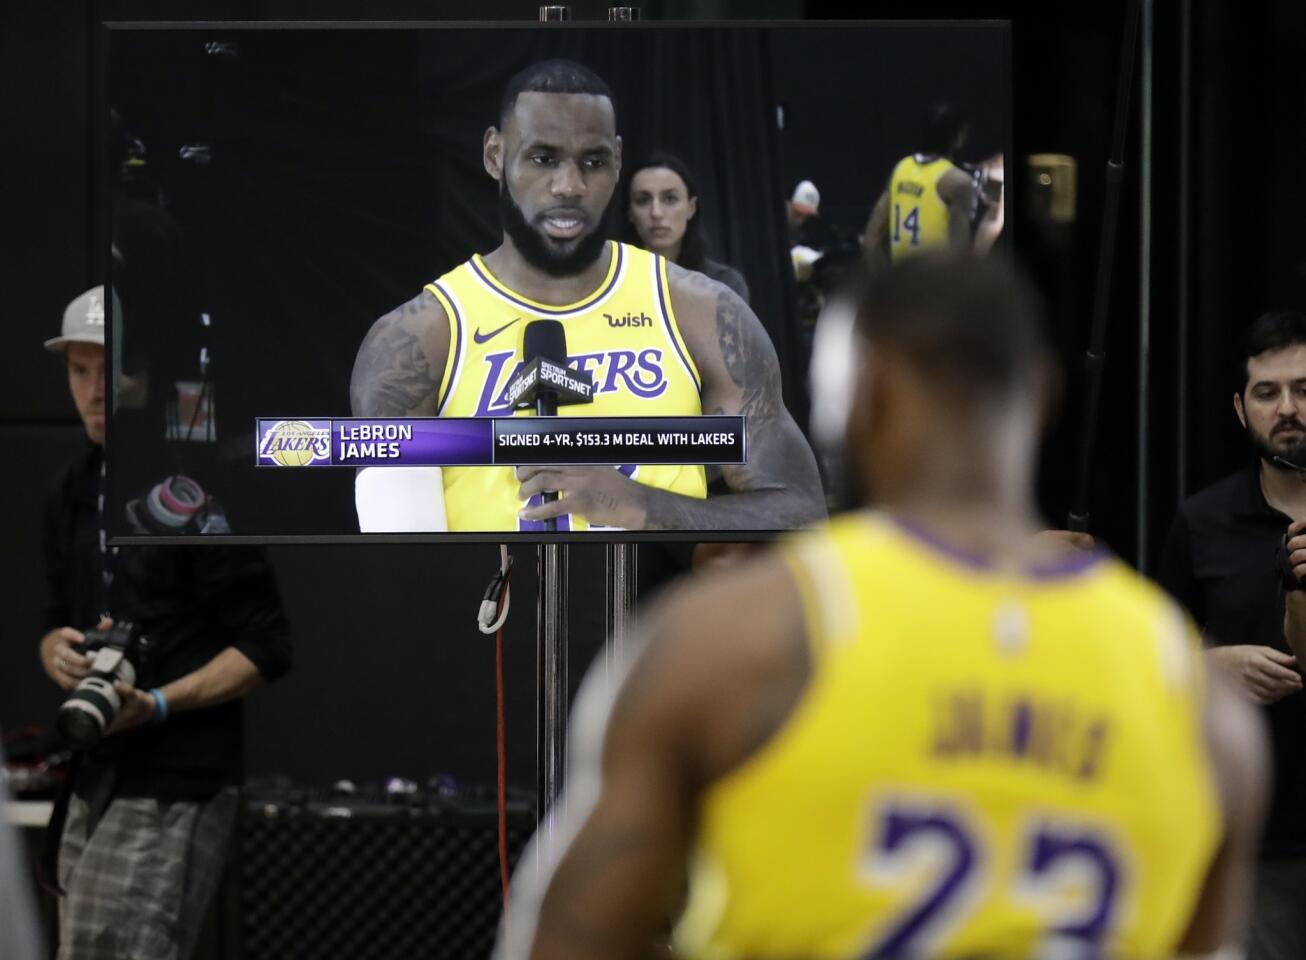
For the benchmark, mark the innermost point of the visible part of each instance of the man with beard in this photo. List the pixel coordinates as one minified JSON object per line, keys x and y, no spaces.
{"x":657,"y":339}
{"x":1220,"y":562}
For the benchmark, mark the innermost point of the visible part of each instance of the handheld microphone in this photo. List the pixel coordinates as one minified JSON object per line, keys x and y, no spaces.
{"x":545,"y":381}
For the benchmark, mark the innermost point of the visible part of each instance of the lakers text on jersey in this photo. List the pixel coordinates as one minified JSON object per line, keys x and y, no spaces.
{"x":983,"y":763}
{"x":624,"y":334}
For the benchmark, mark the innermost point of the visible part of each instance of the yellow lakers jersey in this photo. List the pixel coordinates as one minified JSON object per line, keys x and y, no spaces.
{"x":982,"y":764}
{"x":624,"y":334}
{"x":918,"y":218}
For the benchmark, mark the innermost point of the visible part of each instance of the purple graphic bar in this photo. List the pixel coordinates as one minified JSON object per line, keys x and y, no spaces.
{"x":489,"y":441}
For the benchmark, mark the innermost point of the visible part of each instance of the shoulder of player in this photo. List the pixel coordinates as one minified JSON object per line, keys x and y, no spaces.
{"x":422,"y":312}
{"x":425,"y":318}
{"x":725,"y":660}
{"x":693,"y":293}
{"x":1122,"y":587}
{"x":955,"y":182}
{"x":699,"y":303}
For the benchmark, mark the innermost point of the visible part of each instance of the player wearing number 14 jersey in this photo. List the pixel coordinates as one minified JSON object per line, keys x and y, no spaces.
{"x":923,"y":731}
{"x":929,"y":201}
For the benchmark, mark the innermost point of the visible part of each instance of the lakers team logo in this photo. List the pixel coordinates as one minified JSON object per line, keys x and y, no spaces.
{"x":295,"y":443}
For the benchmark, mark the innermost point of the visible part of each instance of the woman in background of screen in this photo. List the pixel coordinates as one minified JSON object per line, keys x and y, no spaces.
{"x":662,"y":213}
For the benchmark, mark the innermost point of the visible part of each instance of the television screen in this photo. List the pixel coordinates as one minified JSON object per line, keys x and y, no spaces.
{"x":515,"y":281}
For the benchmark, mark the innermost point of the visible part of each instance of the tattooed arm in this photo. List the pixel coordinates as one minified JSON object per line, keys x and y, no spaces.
{"x":398,"y":368}
{"x":397,"y":374}
{"x":685,"y":714}
{"x":778,"y":488}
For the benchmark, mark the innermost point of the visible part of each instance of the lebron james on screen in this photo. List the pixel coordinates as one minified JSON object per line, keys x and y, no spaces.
{"x":658,"y":340}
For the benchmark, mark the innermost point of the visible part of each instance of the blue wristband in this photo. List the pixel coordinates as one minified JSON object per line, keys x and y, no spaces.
{"x":160,"y":706}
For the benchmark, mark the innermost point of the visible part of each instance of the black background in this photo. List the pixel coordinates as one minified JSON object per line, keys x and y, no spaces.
{"x":392,"y":678}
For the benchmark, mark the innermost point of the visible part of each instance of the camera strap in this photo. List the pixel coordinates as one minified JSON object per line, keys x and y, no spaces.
{"x":100,"y":792}
{"x":47,"y":867}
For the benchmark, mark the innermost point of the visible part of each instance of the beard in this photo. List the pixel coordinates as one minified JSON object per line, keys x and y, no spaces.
{"x":1268,"y":450}
{"x":540,"y":252}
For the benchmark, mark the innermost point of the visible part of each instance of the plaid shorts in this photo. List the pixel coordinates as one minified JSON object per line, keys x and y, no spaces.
{"x":138,"y":887}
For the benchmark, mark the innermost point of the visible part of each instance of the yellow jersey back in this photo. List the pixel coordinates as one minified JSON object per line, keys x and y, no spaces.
{"x":624,"y":334}
{"x":918,"y":217}
{"x":982,"y":764}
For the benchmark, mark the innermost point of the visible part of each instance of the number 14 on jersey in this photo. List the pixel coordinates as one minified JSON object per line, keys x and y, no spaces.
{"x":911,"y":223}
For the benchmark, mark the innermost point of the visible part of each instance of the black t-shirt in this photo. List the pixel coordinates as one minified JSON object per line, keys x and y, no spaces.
{"x":1219,"y":562}
{"x":192,"y":602}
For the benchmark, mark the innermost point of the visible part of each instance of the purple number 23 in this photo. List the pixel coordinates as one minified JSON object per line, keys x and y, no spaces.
{"x":903,"y":831}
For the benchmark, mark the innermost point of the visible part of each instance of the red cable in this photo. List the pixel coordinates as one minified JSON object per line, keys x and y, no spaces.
{"x":502,"y":763}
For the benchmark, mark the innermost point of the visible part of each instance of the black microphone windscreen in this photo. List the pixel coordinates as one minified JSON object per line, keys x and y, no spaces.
{"x":547,"y":339}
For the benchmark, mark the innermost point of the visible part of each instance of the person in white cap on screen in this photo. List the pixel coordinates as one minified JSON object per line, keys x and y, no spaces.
{"x":806,"y":240}
{"x":805,"y":203}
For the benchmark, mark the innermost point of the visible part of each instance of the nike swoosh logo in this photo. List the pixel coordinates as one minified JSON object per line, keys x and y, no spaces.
{"x":482,"y":337}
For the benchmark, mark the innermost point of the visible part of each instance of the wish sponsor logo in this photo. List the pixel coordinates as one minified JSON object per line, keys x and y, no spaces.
{"x":294,"y":443}
{"x":630,"y":320}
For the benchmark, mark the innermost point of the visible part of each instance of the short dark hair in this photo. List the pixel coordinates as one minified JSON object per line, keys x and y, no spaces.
{"x":975,"y":323}
{"x":693,"y":246}
{"x":553,"y":76}
{"x":941,"y":128}
{"x":1270,"y":331}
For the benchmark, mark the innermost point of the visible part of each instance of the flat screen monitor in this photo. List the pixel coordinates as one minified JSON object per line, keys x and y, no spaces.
{"x":510,"y":281}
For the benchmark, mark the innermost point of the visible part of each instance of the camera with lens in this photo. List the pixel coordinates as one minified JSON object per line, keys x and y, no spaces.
{"x":115,"y":654}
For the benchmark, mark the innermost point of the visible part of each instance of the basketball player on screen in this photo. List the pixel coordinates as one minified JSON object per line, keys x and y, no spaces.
{"x":659,"y":341}
{"x":917,"y":732}
{"x":929,"y":201}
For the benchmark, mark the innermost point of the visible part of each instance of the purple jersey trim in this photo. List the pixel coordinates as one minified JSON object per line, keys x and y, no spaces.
{"x":661,"y":282}
{"x":536,"y":308}
{"x":456,"y":321}
{"x":1062,"y":569}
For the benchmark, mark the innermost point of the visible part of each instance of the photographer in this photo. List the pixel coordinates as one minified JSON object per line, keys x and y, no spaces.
{"x":154,"y":801}
{"x":1220,"y":562}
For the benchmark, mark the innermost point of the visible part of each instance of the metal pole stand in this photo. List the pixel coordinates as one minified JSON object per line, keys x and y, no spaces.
{"x":551,"y":677}
{"x":622,"y":563}
{"x":550,"y":653}
{"x":551,"y":632}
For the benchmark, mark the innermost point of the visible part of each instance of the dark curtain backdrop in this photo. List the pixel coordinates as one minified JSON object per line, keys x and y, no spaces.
{"x":346,"y":172}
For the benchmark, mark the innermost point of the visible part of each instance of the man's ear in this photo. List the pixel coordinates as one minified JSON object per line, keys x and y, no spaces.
{"x":492,"y":152}
{"x":1238,"y":409}
{"x":616,"y":157}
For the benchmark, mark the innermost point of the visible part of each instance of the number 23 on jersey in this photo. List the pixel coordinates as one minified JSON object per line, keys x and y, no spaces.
{"x":1067,"y":880}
